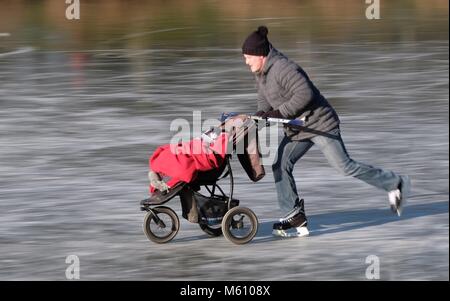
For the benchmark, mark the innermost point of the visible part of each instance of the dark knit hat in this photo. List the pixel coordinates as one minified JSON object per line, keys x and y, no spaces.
{"x":257,"y":42}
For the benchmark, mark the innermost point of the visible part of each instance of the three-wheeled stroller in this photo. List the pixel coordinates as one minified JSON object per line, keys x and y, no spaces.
{"x":216,"y":212}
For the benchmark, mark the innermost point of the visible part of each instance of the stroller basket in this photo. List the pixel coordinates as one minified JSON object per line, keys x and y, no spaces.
{"x":209,"y":210}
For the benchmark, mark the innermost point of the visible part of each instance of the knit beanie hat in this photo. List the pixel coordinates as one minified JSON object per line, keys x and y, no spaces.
{"x":257,"y":42}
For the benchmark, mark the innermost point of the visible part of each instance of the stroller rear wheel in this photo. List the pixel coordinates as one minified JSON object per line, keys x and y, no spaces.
{"x":163,"y":227}
{"x":239,"y":225}
{"x":210,"y":230}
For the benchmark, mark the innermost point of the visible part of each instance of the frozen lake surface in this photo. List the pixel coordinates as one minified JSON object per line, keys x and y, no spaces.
{"x":77,"y":127}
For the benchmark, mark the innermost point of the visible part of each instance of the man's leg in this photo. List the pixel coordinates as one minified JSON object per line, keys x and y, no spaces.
{"x":289,"y":152}
{"x":336,"y":154}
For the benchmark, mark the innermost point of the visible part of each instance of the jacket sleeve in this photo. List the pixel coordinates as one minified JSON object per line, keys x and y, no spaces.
{"x":291,"y":79}
{"x":263,"y":104}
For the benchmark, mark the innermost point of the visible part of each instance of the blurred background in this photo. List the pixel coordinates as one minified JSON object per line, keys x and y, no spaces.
{"x":83,"y":103}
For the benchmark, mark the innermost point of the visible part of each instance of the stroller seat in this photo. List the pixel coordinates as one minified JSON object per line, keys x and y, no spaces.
{"x":209,"y":177}
{"x":203,"y":178}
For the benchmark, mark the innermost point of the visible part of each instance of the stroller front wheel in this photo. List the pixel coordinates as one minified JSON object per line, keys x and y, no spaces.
{"x":163,"y":227}
{"x":239,"y":225}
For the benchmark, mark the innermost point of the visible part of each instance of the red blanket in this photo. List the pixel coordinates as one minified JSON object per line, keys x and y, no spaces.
{"x":181,"y":162}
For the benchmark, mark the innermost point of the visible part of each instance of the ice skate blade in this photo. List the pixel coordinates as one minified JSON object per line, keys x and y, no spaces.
{"x":300,"y":233}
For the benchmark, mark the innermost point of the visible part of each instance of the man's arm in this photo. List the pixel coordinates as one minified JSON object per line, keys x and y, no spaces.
{"x":263,"y":104}
{"x":292,"y":79}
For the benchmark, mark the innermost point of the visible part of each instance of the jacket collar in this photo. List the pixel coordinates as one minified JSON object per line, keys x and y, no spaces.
{"x":272,"y":57}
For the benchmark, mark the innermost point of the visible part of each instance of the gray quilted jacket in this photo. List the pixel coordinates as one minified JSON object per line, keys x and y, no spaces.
{"x":284,"y":86}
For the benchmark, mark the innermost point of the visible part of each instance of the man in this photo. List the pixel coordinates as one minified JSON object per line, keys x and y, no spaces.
{"x":285,"y":91}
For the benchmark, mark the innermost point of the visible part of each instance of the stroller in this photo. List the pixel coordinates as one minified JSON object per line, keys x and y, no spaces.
{"x":216,"y":212}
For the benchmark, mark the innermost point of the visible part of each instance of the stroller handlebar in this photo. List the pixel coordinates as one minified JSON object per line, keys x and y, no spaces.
{"x":288,"y":122}
{"x":292,"y":122}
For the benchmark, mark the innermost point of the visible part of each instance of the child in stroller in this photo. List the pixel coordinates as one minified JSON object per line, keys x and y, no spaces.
{"x":183,"y":169}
